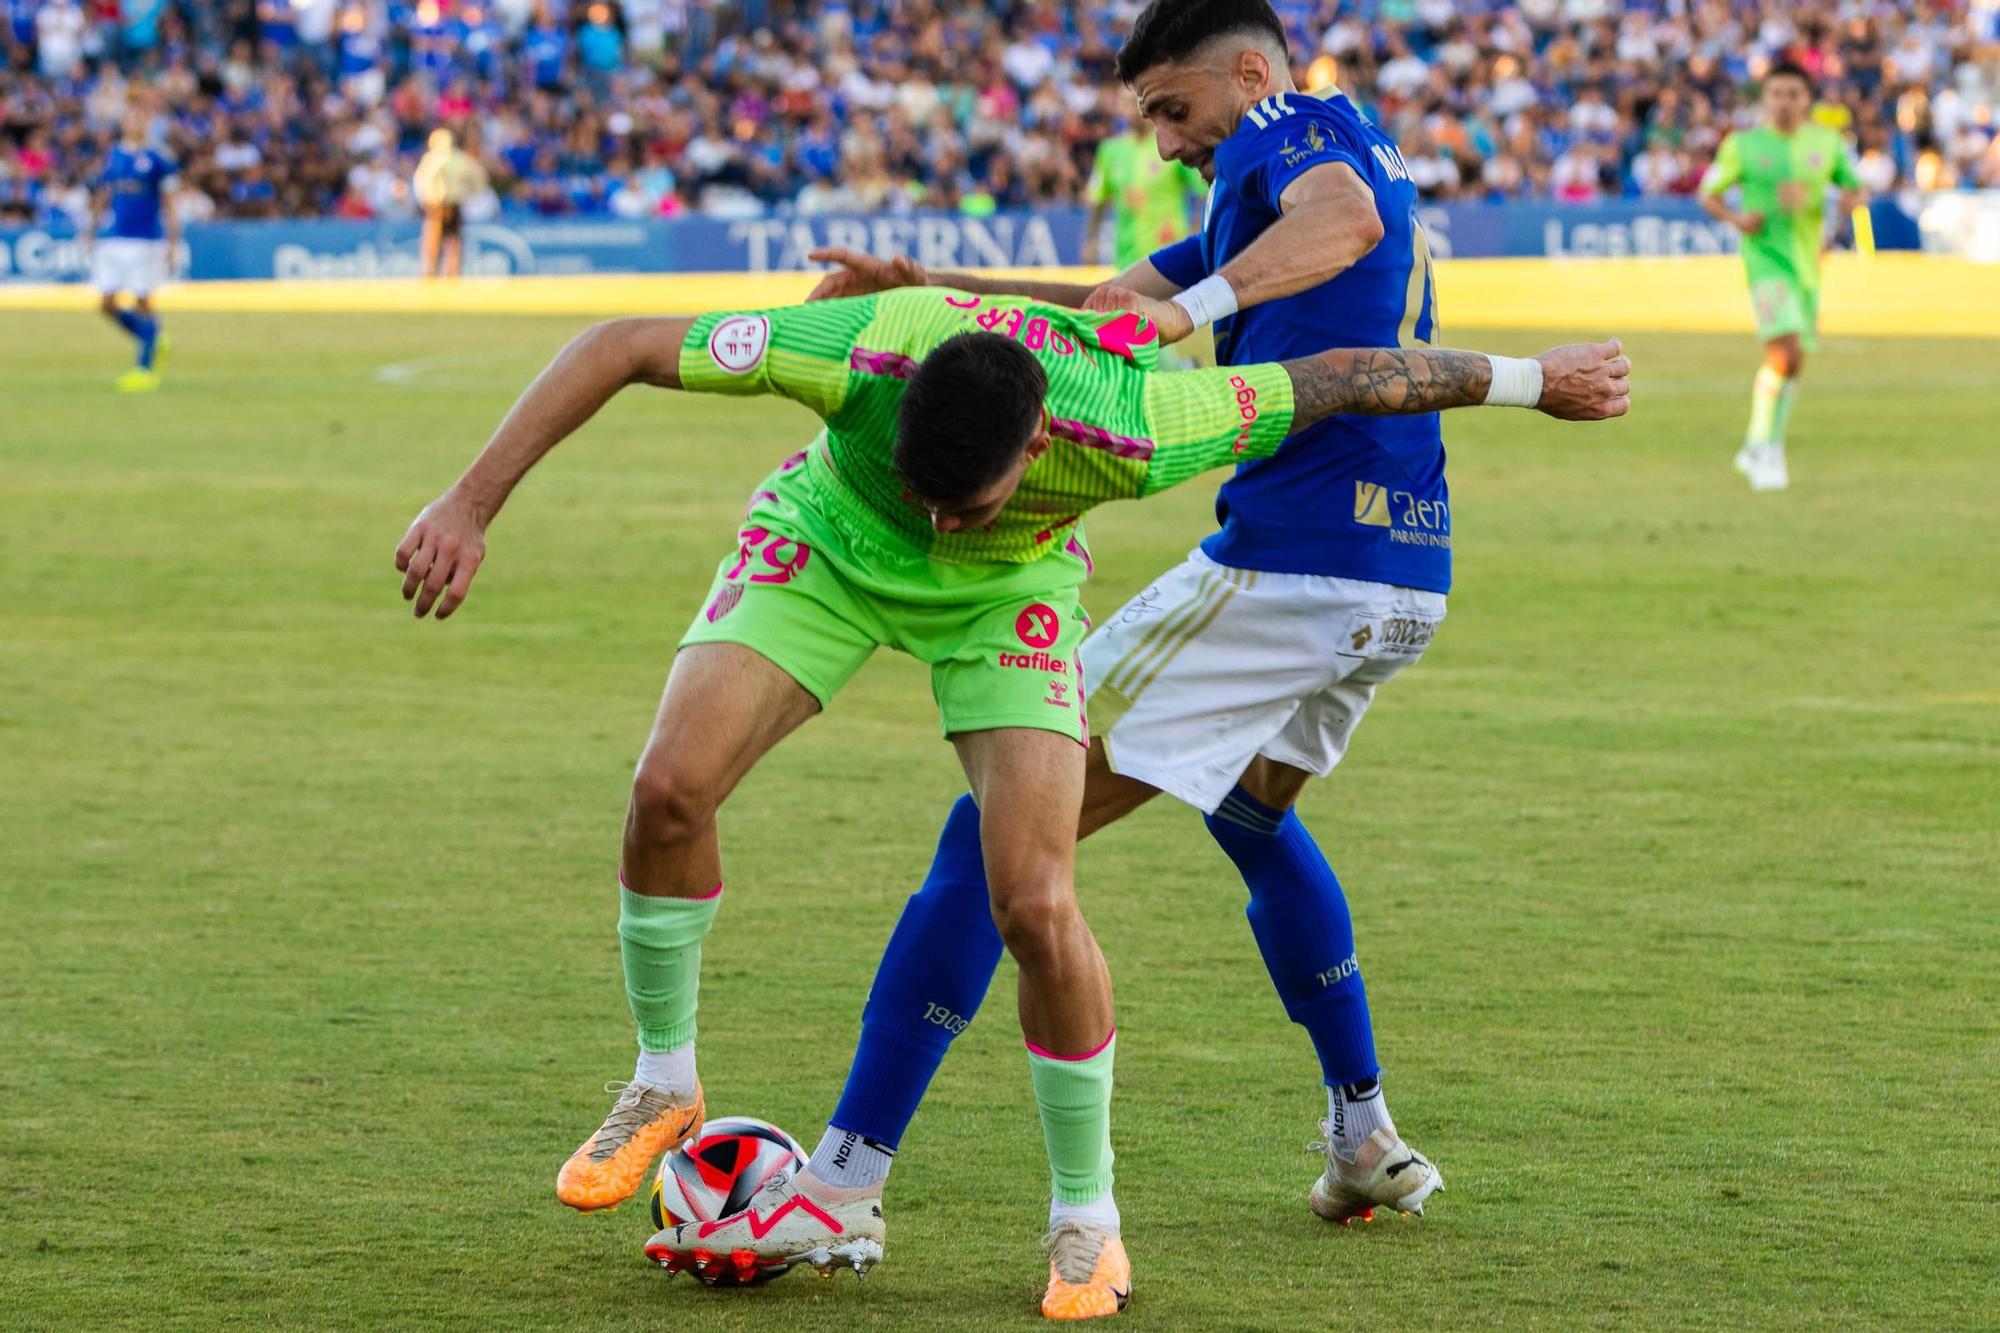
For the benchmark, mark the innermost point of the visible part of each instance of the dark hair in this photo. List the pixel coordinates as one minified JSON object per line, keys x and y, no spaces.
{"x":1169,"y":30}
{"x":1791,"y":69}
{"x":967,"y":414}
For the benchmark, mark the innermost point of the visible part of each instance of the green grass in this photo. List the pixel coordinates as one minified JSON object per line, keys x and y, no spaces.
{"x":1674,"y":866}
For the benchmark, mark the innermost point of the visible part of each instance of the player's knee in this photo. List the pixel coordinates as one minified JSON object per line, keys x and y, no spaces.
{"x":670,"y":804}
{"x":108,"y":304}
{"x":1034,"y":916}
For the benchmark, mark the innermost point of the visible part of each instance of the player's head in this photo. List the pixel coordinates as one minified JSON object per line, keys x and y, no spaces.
{"x":971,"y":422}
{"x":1787,"y":95}
{"x":1197,"y":66}
{"x":136,"y":125}
{"x":442,"y":141}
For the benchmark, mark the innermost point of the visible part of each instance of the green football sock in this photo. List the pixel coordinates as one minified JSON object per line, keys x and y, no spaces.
{"x":1781,"y":413}
{"x":1074,"y":1097}
{"x":1765,"y":395}
{"x":661,"y":942}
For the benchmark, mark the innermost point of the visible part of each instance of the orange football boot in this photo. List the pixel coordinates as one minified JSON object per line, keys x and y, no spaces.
{"x":1089,"y":1275}
{"x":612,"y":1163}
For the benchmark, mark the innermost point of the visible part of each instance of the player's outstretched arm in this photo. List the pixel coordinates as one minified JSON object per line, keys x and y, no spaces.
{"x":857,"y":274}
{"x":1329,"y":223}
{"x":445,"y":545}
{"x":1579,"y":382}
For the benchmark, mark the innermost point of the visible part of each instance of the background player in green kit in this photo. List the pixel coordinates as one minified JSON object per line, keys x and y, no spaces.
{"x":1785,"y":168}
{"x":1151,"y":199}
{"x":1152,"y":204}
{"x":937,"y":512}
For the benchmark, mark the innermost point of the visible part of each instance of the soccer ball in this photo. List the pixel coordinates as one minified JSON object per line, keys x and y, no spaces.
{"x":715,"y":1176}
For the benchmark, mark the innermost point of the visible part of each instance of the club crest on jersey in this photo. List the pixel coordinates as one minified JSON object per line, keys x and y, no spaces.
{"x":725,"y":602}
{"x":738,"y":343}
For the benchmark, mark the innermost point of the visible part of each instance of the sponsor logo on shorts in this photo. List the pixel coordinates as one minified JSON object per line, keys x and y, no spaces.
{"x":1409,"y":520}
{"x":1038,"y":625}
{"x":1246,"y":408}
{"x":738,"y":343}
{"x":1038,"y":661}
{"x":725,"y":602}
{"x":1402,"y":635}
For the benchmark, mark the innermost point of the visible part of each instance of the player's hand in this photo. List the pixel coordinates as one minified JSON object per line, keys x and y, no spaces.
{"x":1586,"y":382}
{"x":440,"y":554}
{"x":1171,"y":320}
{"x":1749,"y":223}
{"x":863,"y":275}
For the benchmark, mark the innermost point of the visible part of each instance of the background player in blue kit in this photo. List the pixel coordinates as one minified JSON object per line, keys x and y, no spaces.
{"x":133,"y":250}
{"x":1243,"y":672}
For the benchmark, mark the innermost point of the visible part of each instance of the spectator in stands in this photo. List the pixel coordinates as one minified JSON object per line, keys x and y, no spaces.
{"x":611,"y":106}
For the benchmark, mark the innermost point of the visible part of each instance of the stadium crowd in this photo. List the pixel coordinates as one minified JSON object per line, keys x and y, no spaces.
{"x":662,"y":107}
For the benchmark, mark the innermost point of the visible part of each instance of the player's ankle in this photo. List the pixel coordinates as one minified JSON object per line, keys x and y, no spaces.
{"x":672,"y":1072}
{"x":825,"y":1192}
{"x":1354,"y":1112}
{"x":1099,"y":1212}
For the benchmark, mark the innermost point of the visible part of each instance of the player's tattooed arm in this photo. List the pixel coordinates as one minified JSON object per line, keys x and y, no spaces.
{"x":1580,"y":382}
{"x":1385,"y":382}
{"x":446,"y":544}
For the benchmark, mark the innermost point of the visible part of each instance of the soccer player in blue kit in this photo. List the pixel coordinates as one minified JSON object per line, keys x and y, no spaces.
{"x":1240,"y":674}
{"x":132,"y":254}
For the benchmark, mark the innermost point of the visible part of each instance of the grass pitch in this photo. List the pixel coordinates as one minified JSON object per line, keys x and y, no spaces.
{"x":1674,"y":867}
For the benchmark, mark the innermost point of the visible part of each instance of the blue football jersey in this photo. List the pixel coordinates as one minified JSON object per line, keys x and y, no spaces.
{"x":137,"y":179}
{"x":1353,"y":496}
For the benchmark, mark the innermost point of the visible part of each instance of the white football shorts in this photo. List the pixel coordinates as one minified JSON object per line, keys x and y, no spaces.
{"x":120,"y":264}
{"x":1212,"y":666}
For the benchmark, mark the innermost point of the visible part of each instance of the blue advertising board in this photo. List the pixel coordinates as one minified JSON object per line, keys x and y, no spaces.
{"x":513,"y":245}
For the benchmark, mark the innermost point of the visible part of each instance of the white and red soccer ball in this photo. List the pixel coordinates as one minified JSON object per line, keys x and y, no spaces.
{"x":720,"y":1171}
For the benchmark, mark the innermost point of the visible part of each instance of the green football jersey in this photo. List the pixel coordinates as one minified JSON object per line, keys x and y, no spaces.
{"x":1120,"y":428}
{"x":1763,"y":161}
{"x":1150,"y":196}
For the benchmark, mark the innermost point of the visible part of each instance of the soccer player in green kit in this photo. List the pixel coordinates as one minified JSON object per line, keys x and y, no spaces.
{"x":1149,"y":196}
{"x":937,"y":512}
{"x":1785,"y":169}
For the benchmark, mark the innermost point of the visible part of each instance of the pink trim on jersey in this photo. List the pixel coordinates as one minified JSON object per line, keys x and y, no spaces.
{"x":1095,"y":437}
{"x":1092,"y":1053}
{"x":881,"y":363}
{"x":1075,"y":548}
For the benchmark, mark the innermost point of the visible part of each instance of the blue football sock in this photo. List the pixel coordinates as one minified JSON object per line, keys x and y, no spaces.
{"x":933,"y":977}
{"x":1299,"y":917}
{"x":149,"y":340}
{"x":131,"y":321}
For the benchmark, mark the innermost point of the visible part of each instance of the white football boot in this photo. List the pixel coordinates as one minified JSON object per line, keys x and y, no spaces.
{"x":1385,"y":1173}
{"x":1746,"y":459}
{"x":782,"y":1226}
{"x":1769,"y":474}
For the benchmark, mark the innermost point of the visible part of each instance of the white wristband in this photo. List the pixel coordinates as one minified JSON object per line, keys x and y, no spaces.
{"x":1517,"y":382}
{"x":1208,"y":300}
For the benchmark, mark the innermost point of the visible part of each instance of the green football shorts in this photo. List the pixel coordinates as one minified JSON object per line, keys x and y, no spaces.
{"x":818,"y":599}
{"x":1785,"y":306}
